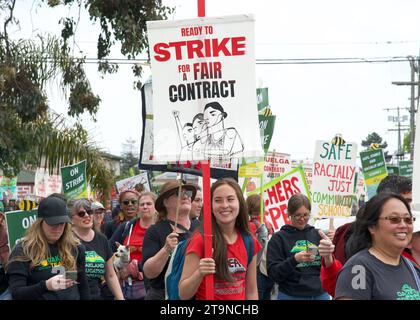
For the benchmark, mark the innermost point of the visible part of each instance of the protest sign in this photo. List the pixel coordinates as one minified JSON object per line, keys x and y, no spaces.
{"x":276,"y":165}
{"x":406,"y":168}
{"x":147,"y":159}
{"x":333,"y":179}
{"x":74,"y":180}
{"x":17,"y":222}
{"x":204,"y":89}
{"x":278,"y":192}
{"x":262,"y":98}
{"x":131,"y":182}
{"x":46,"y":184}
{"x":266,"y":130}
{"x":374,"y":169}
{"x":393,"y":170}
{"x":8,"y":188}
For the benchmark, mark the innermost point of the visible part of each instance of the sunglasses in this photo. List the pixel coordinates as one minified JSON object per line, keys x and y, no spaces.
{"x":81,"y":214}
{"x":397,"y":220}
{"x":127,"y":202}
{"x":184,"y":192}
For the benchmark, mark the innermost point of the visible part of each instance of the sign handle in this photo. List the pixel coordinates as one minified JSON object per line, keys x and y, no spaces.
{"x":208,"y":244}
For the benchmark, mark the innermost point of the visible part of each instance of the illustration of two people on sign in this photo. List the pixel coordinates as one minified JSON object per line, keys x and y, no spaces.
{"x":206,"y":136}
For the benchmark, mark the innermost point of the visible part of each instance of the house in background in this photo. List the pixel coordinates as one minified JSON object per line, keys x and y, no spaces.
{"x":26,"y":177}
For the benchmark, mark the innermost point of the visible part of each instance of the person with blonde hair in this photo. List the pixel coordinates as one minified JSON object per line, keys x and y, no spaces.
{"x":38,"y":265}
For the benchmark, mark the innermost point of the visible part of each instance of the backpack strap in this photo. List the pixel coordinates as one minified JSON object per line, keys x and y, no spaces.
{"x":413,"y":270}
{"x":180,"y":226}
{"x":249,"y":245}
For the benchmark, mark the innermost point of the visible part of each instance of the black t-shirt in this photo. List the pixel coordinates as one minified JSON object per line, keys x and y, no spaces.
{"x":31,"y":284}
{"x":98,"y":252}
{"x":154,"y":240}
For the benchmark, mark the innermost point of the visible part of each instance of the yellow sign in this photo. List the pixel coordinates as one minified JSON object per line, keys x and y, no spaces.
{"x":27,"y":205}
{"x":255,"y":169}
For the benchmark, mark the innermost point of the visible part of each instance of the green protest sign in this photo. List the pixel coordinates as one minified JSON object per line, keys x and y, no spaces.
{"x":393,"y":170}
{"x":266,"y":130}
{"x":374,"y":169}
{"x":17,"y":222}
{"x":406,"y":168}
{"x":262,"y":98}
{"x":74,"y":180}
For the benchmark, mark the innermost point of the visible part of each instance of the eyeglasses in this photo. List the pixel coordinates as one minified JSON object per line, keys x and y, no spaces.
{"x":298,"y":217}
{"x":397,"y":220}
{"x":81,"y":214}
{"x":132,"y":201}
{"x":184,"y":192}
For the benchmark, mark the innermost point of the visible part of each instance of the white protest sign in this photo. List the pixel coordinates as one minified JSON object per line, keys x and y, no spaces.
{"x":276,"y":165}
{"x":277,"y":194}
{"x":131,"y":182}
{"x":46,"y":184}
{"x":333,"y":179}
{"x":204,"y":89}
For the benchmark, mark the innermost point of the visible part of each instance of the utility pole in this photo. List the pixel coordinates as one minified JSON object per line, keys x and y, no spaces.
{"x":414,"y":65}
{"x":398,"y":119}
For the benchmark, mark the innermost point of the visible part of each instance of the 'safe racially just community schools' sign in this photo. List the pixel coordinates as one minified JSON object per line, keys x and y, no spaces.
{"x":204,"y":89}
{"x":334,"y":171}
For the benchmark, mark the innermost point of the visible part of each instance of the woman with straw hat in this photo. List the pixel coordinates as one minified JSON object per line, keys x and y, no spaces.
{"x":173,"y":225}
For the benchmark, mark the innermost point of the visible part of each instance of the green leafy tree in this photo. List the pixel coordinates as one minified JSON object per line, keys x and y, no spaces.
{"x":122,"y":21}
{"x":130,"y":159}
{"x":29,"y":132}
{"x":374,"y":138}
{"x":407,"y":142}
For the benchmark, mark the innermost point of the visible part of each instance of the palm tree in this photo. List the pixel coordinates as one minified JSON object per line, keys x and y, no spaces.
{"x":29,"y":132}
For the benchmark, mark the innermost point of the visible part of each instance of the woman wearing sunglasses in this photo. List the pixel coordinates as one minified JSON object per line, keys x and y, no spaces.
{"x":377,"y":270}
{"x":99,"y":267}
{"x":161,"y":238}
{"x":131,"y":234}
{"x":129,"y":209}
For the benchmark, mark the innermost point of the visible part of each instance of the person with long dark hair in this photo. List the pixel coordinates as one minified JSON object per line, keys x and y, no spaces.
{"x":235,"y":278}
{"x":376,"y":269}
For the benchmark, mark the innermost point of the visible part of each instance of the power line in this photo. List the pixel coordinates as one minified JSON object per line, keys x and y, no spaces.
{"x":271,"y":61}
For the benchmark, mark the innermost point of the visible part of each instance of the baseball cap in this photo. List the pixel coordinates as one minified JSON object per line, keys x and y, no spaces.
{"x":97,"y":205}
{"x":53,"y":210}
